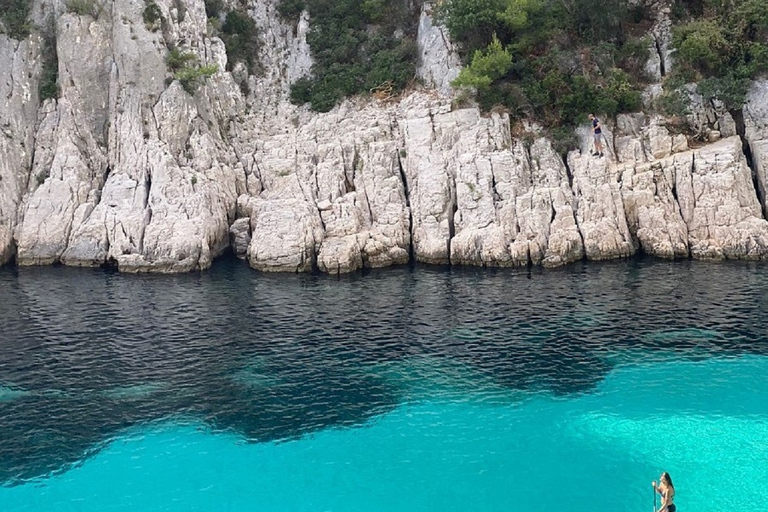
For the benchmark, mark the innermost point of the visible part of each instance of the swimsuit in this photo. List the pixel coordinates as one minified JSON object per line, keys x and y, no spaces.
{"x":671,"y":507}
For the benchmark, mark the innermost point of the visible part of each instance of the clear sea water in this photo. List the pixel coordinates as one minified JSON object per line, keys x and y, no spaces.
{"x":405,"y":389}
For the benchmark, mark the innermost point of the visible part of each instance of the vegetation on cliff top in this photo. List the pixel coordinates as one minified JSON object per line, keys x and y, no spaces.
{"x":721,"y":45}
{"x":547,"y":60}
{"x":551,"y":60}
{"x":358,"y":46}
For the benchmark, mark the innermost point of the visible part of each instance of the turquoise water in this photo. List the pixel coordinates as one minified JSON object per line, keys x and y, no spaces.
{"x":448,"y":449}
{"x":408,"y":390}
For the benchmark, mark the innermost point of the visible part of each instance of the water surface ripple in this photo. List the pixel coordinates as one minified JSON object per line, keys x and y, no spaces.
{"x":85,"y":354}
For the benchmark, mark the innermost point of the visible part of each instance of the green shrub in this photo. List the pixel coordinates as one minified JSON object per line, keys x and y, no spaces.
{"x":486,"y":67}
{"x":190,"y":77}
{"x":632,"y":57}
{"x":301,"y":91}
{"x":621,"y":90}
{"x":729,"y":89}
{"x":517,"y":13}
{"x":594,"y":21}
{"x":682,"y":9}
{"x":325,"y":97}
{"x":186,"y":70}
{"x":673,"y":102}
{"x":552,"y":60}
{"x":14,"y":16}
{"x":177,"y":59}
{"x":213,"y":8}
{"x":290,"y":9}
{"x":471,"y":22}
{"x":724,"y":49}
{"x":85,"y":7}
{"x":509,"y":94}
{"x":386,"y":66}
{"x":359,"y":47}
{"x":241,"y":38}
{"x":750,"y":20}
{"x":152,"y":15}
{"x":48,"y":87}
{"x":563,"y":139}
{"x":702,"y":45}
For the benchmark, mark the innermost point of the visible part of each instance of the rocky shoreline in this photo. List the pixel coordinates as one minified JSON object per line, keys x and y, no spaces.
{"x":125,"y":170}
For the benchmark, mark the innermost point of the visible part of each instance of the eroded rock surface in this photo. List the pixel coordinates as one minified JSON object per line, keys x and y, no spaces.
{"x":127,"y":167}
{"x":700,"y":202}
{"x":439,"y":62}
{"x":20,"y":65}
{"x":755,"y":114}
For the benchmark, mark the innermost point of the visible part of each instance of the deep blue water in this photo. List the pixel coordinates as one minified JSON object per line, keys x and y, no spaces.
{"x":407,"y":389}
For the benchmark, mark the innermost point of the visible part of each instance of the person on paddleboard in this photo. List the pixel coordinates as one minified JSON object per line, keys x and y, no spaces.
{"x":667,"y":491}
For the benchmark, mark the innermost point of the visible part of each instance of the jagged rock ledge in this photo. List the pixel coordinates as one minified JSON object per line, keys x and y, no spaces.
{"x":123,"y":169}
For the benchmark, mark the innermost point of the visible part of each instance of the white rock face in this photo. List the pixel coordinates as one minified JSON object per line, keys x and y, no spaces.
{"x":599,"y":207}
{"x":283,"y":53}
{"x":701,"y":203}
{"x":285,"y":233}
{"x":130,"y":171}
{"x":756,"y":111}
{"x":479,"y":197}
{"x":649,"y":192}
{"x":709,"y":119}
{"x":660,"y":59}
{"x":755,"y":114}
{"x":20,"y":64}
{"x":70,"y":154}
{"x":127,"y":168}
{"x":240,"y":236}
{"x":642,"y":139}
{"x":547,"y":211}
{"x":439,"y":62}
{"x":722,"y":212}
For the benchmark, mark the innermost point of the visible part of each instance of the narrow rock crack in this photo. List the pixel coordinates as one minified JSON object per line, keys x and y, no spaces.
{"x":662,"y":67}
{"x":407,"y":192}
{"x":738,"y":119}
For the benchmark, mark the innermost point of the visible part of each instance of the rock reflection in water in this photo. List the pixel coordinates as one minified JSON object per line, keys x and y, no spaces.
{"x":86,"y":353}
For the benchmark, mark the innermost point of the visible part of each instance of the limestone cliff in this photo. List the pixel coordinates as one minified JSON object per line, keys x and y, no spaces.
{"x":128,"y":168}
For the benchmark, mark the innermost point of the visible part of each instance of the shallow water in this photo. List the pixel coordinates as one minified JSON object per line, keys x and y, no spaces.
{"x":403,"y":389}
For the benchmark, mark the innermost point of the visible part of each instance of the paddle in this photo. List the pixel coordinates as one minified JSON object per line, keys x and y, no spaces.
{"x":654,"y":496}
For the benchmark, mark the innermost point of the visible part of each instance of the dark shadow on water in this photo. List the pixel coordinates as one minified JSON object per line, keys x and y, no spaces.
{"x":85,"y":353}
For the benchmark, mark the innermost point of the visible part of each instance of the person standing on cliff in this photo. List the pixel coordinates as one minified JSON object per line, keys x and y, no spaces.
{"x":598,"y":133}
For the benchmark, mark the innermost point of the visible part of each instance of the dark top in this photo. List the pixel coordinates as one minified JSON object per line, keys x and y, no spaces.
{"x":595,"y":123}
